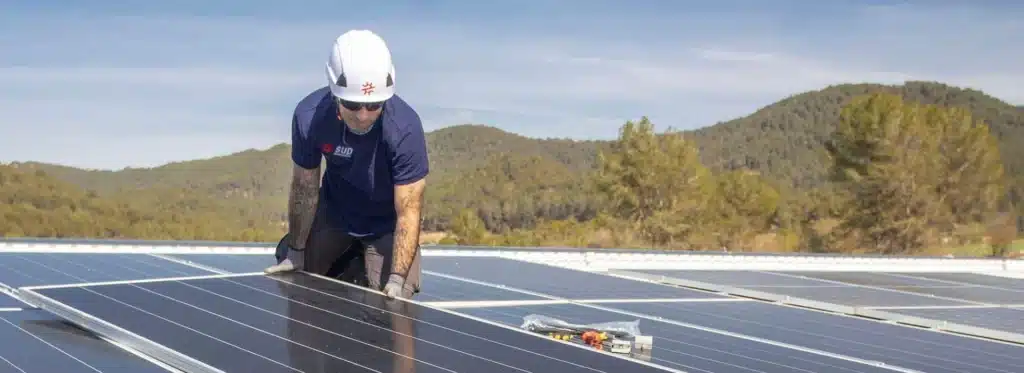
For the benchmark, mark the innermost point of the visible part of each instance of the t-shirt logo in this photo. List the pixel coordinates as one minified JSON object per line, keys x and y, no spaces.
{"x":343,"y":151}
{"x":340,"y":151}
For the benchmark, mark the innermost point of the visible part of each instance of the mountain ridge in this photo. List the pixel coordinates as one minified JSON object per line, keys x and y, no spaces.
{"x":781,"y":141}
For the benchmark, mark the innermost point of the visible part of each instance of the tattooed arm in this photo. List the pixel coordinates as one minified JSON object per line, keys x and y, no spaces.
{"x":302,"y":203}
{"x":409,"y":207}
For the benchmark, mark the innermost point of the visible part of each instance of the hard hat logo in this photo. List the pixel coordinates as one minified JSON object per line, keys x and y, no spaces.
{"x":368,"y":88}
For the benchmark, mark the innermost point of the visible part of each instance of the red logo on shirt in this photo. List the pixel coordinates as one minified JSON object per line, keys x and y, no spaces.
{"x":327,"y":148}
{"x":368,"y":88}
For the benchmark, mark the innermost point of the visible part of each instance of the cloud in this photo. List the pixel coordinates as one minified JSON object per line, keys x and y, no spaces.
{"x":100,"y":88}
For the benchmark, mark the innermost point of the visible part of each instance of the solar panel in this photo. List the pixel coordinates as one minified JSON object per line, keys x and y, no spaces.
{"x":256,"y":323}
{"x":25,"y":269}
{"x":554,"y":281}
{"x":735,"y":278}
{"x":7,"y":301}
{"x":232,"y":263}
{"x":690,"y":349}
{"x":434,"y":288}
{"x":824,"y":291}
{"x":922,"y":285}
{"x":864,"y":278}
{"x":971,"y":279}
{"x":998,"y":318}
{"x":36,"y":342}
{"x":864,"y":297}
{"x":908,"y":347}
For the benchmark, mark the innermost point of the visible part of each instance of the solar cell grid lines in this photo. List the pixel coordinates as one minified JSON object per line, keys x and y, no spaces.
{"x":26,"y":269}
{"x":232,"y":263}
{"x":251,"y":324}
{"x":898,"y":345}
{"x":947,"y":289}
{"x":278,"y":323}
{"x":434,"y":288}
{"x":554,"y":281}
{"x":736,"y":278}
{"x":34,"y":341}
{"x":999,"y":318}
{"x":691,"y":349}
{"x":804,"y":285}
{"x":970,"y":279}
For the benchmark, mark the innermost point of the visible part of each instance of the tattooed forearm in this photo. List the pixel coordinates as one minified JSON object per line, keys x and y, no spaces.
{"x":408,"y":205}
{"x":302,"y":203}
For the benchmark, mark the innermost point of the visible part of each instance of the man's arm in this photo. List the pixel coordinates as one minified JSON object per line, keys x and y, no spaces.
{"x":409,"y":207}
{"x":302,"y":203}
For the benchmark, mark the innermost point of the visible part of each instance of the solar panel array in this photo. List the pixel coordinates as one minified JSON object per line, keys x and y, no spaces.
{"x":213,"y":312}
{"x":986,"y":305}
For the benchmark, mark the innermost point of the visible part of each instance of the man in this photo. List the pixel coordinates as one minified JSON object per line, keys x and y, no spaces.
{"x":370,"y":203}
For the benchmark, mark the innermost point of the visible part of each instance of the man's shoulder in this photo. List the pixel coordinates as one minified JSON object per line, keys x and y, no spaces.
{"x":401,"y":117}
{"x":312,"y":107}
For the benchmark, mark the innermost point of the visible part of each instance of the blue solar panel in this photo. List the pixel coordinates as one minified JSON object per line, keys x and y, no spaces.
{"x":8,"y":302}
{"x":923,"y":285}
{"x":913,"y":348}
{"x":25,"y":269}
{"x":232,"y":263}
{"x":434,"y":288}
{"x":813,"y":289}
{"x":688,"y":349}
{"x":35,"y":341}
{"x":971,"y":279}
{"x":998,"y":318}
{"x":735,"y":278}
{"x":555,"y":281}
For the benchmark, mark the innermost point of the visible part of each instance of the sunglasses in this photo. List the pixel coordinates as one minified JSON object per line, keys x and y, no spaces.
{"x":355,"y":106}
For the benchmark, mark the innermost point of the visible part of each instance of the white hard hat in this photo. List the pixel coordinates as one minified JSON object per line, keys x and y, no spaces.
{"x":360,"y":68}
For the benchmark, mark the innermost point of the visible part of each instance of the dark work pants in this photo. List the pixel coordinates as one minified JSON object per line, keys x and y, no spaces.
{"x":364,"y":261}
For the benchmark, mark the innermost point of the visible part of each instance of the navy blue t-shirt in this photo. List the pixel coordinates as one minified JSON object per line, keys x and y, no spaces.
{"x":362,"y":170}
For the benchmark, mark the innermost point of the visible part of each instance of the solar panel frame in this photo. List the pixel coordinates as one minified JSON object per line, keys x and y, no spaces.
{"x":38,"y":295}
{"x":36,"y":341}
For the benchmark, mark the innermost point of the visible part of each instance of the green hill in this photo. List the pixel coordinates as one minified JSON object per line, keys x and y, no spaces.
{"x":35,"y":204}
{"x":784,"y":140}
{"x":514,"y":181}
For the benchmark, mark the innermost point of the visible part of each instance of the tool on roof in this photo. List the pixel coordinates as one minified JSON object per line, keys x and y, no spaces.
{"x":622,"y":337}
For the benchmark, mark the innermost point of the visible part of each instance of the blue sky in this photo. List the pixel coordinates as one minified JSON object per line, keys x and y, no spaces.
{"x":104,"y":84}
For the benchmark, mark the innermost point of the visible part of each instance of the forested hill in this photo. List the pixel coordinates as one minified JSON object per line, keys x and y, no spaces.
{"x":783,"y":140}
{"x":511,"y":181}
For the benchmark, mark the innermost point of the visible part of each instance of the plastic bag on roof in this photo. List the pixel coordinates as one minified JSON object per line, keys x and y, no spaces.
{"x":545,"y":324}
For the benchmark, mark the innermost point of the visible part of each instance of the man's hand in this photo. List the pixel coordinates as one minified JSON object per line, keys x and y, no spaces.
{"x":394,"y":286}
{"x":294,"y":261}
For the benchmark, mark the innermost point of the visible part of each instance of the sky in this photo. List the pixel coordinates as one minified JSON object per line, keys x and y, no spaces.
{"x":110,"y":84}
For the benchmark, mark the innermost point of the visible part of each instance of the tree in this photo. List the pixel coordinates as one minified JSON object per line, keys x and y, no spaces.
{"x":656,"y":183}
{"x":744,"y":205}
{"x":911,"y":171}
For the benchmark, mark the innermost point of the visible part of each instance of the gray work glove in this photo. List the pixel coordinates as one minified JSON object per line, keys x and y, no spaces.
{"x":294,"y":261}
{"x":394,"y":286}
